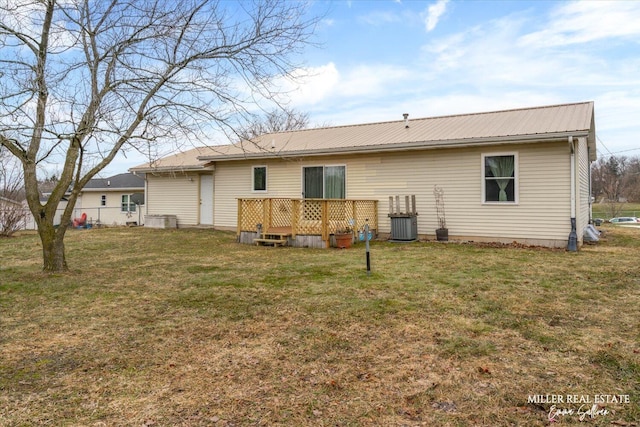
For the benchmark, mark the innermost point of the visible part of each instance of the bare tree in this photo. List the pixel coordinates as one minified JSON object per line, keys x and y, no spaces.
{"x":607,"y":179}
{"x":607,"y":175}
{"x":276,"y":120}
{"x":631,"y":180}
{"x":81,"y":81}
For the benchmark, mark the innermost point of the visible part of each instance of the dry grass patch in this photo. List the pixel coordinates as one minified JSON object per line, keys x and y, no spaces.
{"x":186,"y":327}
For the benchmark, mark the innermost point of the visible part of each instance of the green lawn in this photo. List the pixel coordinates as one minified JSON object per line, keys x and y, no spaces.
{"x":603,"y":210}
{"x":186,"y":327}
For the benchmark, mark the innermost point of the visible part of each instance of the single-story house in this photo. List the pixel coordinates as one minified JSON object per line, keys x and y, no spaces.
{"x":109,"y":201}
{"x":517,"y":175}
{"x":112,"y":200}
{"x":15,"y":215}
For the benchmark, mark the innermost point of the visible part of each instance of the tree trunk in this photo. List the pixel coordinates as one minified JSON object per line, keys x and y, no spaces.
{"x":53,"y":249}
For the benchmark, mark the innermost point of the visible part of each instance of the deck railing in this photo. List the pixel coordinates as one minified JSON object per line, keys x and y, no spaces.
{"x":321,"y":217}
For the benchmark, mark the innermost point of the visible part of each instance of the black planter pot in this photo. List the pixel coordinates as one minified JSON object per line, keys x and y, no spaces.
{"x":442,"y":234}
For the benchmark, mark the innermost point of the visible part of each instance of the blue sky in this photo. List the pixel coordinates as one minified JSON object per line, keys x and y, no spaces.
{"x":379,"y":59}
{"x":383,"y":58}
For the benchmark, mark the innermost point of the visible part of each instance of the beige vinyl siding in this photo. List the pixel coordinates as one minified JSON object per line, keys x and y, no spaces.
{"x":111,"y":214}
{"x":542,"y":212}
{"x":583,"y":214}
{"x":233,"y":181}
{"x":174,"y":195}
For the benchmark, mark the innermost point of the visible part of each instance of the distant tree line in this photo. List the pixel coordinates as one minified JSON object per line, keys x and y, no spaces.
{"x":616,"y":179}
{"x":276,"y":120}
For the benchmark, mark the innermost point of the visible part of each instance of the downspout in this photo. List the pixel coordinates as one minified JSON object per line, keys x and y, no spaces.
{"x":590,"y":188}
{"x":146,"y":195}
{"x":572,"y":244}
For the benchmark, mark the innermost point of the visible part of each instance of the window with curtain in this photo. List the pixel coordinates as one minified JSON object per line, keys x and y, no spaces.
{"x":259,"y":178}
{"x":127,"y":204}
{"x":324,"y":182}
{"x":500,"y":178}
{"x":334,"y":182}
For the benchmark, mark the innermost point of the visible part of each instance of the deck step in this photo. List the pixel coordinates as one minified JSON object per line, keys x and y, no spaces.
{"x":274,"y":242}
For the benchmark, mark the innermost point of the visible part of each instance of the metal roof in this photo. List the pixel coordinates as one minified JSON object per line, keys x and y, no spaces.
{"x":116,"y":182}
{"x":185,"y":161}
{"x":12,"y":201}
{"x":555,"y":122}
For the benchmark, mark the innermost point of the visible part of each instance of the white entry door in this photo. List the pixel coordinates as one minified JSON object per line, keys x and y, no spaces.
{"x":206,"y":199}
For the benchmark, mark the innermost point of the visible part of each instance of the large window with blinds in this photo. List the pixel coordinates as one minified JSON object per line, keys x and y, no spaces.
{"x":324,"y":182}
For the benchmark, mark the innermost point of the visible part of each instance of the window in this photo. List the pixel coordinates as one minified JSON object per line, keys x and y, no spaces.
{"x":127,"y":204}
{"x":259,"y":178}
{"x":324,"y":182}
{"x":103,"y":200}
{"x":499,"y":174}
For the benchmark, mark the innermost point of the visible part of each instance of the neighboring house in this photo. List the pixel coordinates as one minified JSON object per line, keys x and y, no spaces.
{"x":15,"y":215}
{"x":517,"y":175}
{"x":7,"y":203}
{"x":109,"y":201}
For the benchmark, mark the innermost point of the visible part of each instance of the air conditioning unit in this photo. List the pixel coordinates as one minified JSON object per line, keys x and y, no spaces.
{"x":404,"y":225}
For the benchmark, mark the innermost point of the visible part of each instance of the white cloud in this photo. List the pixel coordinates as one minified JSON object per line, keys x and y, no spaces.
{"x":477,"y":102}
{"x":328,"y":22}
{"x":316,"y":85}
{"x":433,"y":14}
{"x":587,"y":21}
{"x":312,"y":85}
{"x":618,"y":109}
{"x":371,"y":80}
{"x":379,"y":18}
{"x":488,"y":56}
{"x":27,"y":18}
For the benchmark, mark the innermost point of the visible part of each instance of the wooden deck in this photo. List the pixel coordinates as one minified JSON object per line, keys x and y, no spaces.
{"x":301,"y":222}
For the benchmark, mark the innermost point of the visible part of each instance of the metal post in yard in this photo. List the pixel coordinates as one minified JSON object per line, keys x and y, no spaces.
{"x":366,"y":240}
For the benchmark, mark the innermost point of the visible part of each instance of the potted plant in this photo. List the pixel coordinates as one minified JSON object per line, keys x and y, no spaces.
{"x":344,"y":237}
{"x":442,"y":232}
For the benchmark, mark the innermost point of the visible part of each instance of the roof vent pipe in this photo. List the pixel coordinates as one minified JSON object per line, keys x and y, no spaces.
{"x":406,"y":120}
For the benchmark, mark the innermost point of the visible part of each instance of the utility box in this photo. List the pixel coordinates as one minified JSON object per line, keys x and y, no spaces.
{"x":404,"y":223}
{"x":160,"y":221}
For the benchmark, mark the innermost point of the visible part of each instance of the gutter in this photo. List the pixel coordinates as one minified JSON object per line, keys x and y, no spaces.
{"x":162,"y":169}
